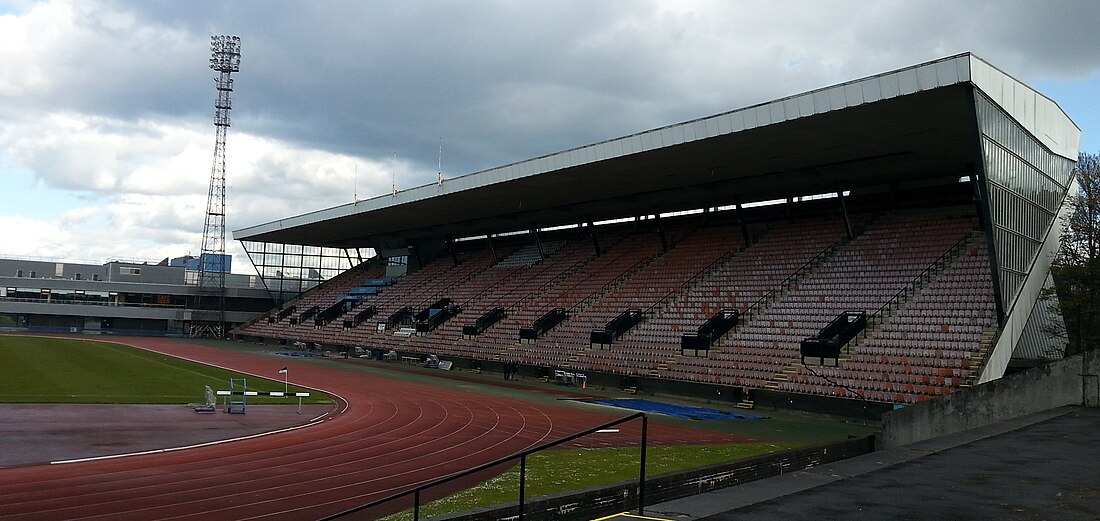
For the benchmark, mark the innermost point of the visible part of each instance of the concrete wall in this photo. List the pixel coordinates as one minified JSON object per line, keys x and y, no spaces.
{"x":1072,"y":381}
{"x":1090,"y":376}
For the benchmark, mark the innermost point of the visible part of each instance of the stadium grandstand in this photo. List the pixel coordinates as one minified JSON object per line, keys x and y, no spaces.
{"x":878,"y":242}
{"x":120,"y":297}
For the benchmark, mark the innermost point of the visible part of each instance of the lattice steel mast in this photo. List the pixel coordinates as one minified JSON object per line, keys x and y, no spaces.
{"x":208,"y":317}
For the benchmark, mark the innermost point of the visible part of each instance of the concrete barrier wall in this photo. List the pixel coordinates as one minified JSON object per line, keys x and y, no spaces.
{"x":1091,"y":379}
{"x":1072,"y":381}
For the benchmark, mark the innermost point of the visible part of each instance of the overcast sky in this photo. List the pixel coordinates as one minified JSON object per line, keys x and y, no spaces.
{"x":106,"y":108}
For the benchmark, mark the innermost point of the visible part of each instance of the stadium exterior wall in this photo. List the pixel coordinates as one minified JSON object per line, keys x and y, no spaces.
{"x":1072,"y":381}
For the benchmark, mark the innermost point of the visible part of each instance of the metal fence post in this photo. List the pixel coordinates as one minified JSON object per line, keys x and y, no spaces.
{"x":522,"y":482}
{"x":641,"y":473}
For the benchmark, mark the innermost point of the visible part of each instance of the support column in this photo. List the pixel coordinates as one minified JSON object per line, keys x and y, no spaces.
{"x":538,"y":242}
{"x":660,"y":230}
{"x":595,"y":240}
{"x":741,"y":220}
{"x":844,"y":213}
{"x":419,"y":260}
{"x":451,"y":249}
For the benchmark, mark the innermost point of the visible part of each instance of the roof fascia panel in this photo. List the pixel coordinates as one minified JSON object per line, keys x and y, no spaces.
{"x":1036,"y":113}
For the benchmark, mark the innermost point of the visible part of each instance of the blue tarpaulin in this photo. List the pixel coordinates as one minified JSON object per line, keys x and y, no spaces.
{"x":680,"y":411}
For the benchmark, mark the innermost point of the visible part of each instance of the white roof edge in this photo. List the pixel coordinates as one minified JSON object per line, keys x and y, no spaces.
{"x":959,"y":68}
{"x":1038,"y":114}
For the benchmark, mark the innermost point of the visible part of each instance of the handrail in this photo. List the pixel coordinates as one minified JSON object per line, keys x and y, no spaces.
{"x":579,"y":282}
{"x":634,"y":266}
{"x":916,"y":280}
{"x":785,"y":283}
{"x":545,"y":285}
{"x":522,"y":455}
{"x":546,"y":267}
{"x":897,"y":296}
{"x":516,"y":270}
{"x":648,"y":260}
{"x":642,"y":263}
{"x":691,"y":281}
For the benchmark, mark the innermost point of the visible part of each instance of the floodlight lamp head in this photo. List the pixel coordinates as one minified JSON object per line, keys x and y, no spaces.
{"x":225,"y":53}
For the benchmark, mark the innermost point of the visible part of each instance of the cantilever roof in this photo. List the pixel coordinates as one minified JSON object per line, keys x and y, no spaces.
{"x":915,"y":123}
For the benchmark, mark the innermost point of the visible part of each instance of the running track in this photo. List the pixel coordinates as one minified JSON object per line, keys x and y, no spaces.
{"x":390,"y":436}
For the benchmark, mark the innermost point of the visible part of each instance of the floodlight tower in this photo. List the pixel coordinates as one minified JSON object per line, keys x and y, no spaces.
{"x":208,"y":318}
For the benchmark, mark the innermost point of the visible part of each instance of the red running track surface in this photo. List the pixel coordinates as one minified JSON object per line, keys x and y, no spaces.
{"x":392,"y":435}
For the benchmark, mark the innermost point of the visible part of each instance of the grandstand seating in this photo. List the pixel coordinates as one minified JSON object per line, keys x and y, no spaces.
{"x":860,"y":275}
{"x":924,"y":349}
{"x":322,"y":296}
{"x":927,"y":267}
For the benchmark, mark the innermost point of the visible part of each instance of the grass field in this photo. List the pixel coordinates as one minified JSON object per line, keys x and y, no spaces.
{"x":557,"y":471}
{"x":46,"y":370}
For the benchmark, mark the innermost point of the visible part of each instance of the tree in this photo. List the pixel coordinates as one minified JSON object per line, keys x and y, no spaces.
{"x":1076,"y":267}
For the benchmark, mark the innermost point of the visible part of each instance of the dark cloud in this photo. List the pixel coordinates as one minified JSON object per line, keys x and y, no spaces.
{"x":498,"y":82}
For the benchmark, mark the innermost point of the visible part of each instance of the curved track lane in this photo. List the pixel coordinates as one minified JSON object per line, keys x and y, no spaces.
{"x":390,"y":436}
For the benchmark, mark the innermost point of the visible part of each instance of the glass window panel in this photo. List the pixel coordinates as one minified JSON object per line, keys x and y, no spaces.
{"x":1026,"y":182}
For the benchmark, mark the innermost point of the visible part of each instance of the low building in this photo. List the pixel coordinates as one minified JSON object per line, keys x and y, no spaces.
{"x":117,"y":297}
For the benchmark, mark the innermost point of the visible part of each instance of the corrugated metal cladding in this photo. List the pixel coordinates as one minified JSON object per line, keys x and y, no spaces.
{"x":1037,"y":341}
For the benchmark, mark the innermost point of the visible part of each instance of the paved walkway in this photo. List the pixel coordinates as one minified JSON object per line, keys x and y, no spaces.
{"x":1044,"y":466}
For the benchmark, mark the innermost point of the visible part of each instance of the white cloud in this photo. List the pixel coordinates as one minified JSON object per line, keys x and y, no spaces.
{"x":150,"y":185}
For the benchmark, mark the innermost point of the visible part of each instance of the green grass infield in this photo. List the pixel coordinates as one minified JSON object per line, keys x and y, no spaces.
{"x":49,"y":370}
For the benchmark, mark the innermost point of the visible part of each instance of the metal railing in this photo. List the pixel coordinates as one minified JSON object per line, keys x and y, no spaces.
{"x":688,"y":284}
{"x":916,"y":282}
{"x":522,"y":457}
{"x":105,"y":303}
{"x":790,"y":280}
